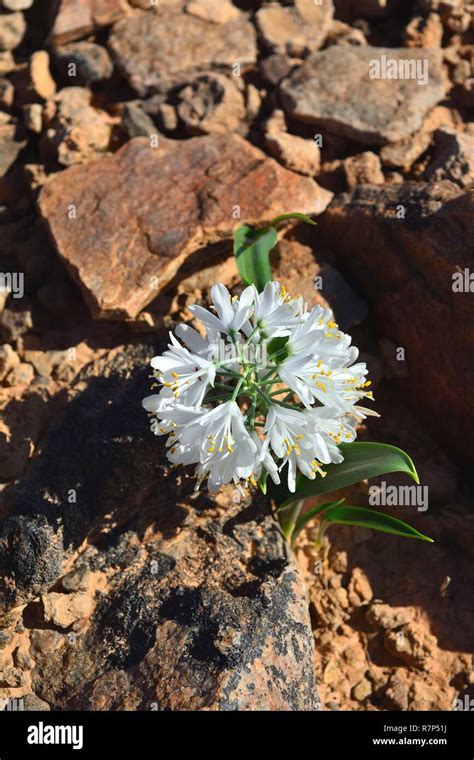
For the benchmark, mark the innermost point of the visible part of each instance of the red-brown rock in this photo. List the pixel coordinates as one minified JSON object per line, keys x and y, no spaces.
{"x":141,"y":212}
{"x":352,"y":91}
{"x":198,"y":604}
{"x":12,"y":141}
{"x":160,"y":48}
{"x":78,"y":18}
{"x":297,"y":29}
{"x":402,"y":245}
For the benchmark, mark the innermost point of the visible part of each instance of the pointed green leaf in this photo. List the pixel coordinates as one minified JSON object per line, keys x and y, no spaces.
{"x":252,"y":253}
{"x":262,"y":482}
{"x":295,"y":215}
{"x":361,"y":461}
{"x":369,"y":518}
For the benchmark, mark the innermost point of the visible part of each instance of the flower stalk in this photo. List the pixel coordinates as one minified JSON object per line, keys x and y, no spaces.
{"x":282,"y":403}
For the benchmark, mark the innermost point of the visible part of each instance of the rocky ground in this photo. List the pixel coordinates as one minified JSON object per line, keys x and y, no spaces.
{"x":133,"y":138}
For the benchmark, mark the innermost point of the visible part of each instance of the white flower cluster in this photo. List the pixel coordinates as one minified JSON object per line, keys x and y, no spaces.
{"x":270,"y":384}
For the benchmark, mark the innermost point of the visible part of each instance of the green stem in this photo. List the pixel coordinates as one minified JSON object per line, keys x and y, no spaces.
{"x":288,"y":519}
{"x":250,"y":336}
{"x":323,"y":526}
{"x":282,"y":390}
{"x":237,"y":389}
{"x":224,"y":386}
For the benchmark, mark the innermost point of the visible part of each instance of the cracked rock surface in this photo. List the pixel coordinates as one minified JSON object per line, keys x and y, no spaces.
{"x":139,"y":224}
{"x":163,"y":598}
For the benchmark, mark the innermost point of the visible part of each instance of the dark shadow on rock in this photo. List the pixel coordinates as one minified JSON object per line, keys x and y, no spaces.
{"x":98,"y":466}
{"x":194,"y":601}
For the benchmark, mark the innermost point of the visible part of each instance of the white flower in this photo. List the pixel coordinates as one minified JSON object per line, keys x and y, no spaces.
{"x":217,"y":440}
{"x":292,"y":437}
{"x":334,"y":428}
{"x":183,"y":374}
{"x":274,"y":311}
{"x":239,"y":414}
{"x":231,"y":315}
{"x":264,"y":461}
{"x":318,"y":329}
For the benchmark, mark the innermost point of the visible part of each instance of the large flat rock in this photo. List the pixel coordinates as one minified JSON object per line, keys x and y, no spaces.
{"x":142,"y":211}
{"x":159,"y":48}
{"x":141,"y":594}
{"x":401,"y":245}
{"x":332,"y":89}
{"x":297,"y":29}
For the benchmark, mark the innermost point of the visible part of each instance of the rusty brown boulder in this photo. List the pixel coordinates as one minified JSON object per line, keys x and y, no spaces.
{"x":159,"y":48}
{"x":75,"y":19}
{"x":366,"y":94}
{"x":126,"y":223}
{"x":160,"y":598}
{"x":407,"y":248}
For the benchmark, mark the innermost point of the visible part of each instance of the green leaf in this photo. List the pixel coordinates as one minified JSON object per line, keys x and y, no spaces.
{"x":369,"y":518}
{"x":276,"y":348}
{"x":361,"y":460}
{"x":252,"y":253}
{"x":295,"y":215}
{"x":262,"y":482}
{"x":314,"y":512}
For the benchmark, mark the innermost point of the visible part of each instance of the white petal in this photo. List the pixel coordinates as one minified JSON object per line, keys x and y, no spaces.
{"x":208,"y":319}
{"x":221,"y":299}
